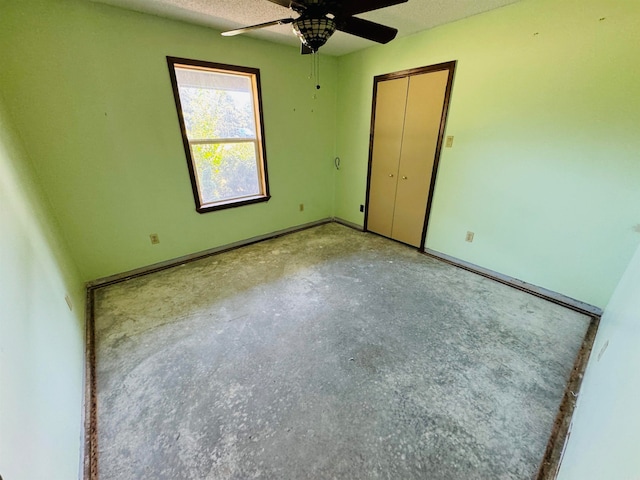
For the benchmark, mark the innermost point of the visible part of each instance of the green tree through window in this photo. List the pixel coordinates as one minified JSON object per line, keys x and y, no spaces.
{"x":218,"y":107}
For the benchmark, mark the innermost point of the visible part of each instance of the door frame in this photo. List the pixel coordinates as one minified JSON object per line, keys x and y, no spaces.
{"x":451,"y":67}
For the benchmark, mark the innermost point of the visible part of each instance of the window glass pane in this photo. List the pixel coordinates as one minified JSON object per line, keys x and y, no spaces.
{"x":216,"y":105}
{"x":226,"y":170}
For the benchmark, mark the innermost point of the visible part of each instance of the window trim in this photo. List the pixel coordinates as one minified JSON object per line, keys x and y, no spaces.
{"x":259,"y":141}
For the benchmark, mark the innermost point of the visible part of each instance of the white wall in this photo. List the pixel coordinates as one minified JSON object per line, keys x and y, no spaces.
{"x":41,"y":340}
{"x":605,"y":437}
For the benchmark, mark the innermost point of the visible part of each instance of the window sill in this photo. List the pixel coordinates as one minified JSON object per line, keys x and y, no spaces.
{"x":222,"y":205}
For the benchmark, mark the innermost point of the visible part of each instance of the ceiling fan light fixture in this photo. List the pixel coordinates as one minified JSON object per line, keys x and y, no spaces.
{"x":319,"y":19}
{"x":314,"y":32}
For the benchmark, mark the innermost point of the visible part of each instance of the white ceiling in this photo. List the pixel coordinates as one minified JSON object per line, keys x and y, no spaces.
{"x":408,"y":18}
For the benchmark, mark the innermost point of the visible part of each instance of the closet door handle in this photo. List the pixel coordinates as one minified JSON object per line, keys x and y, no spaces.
{"x":391,"y":175}
{"x":404,"y":178}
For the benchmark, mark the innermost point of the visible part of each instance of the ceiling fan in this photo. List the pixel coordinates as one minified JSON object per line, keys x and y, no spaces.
{"x":319,"y":19}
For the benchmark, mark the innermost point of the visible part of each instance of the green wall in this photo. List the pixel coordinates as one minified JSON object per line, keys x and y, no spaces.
{"x":88,"y":88}
{"x":545,"y":113}
{"x":544,"y":166}
{"x":41,"y":340}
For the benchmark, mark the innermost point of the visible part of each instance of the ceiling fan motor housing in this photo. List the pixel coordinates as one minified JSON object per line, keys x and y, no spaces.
{"x":314,"y":31}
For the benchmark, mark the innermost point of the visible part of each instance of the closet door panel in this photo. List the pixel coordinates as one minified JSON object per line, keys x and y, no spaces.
{"x":425,"y":103}
{"x":387,"y":142}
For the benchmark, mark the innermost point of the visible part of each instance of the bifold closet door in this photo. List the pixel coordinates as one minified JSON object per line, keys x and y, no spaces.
{"x":391,"y":98}
{"x":423,"y":114}
{"x":406,"y":131}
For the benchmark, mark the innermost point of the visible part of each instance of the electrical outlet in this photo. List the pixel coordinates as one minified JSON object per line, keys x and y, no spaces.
{"x":154,"y":238}
{"x":302,"y":207}
{"x":362,"y":208}
{"x":449,"y":142}
{"x":469,"y":237}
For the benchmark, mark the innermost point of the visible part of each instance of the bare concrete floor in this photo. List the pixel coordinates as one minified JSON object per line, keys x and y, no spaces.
{"x":327,"y":353}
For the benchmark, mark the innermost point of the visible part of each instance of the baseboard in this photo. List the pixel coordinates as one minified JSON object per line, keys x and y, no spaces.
{"x":541,"y":292}
{"x":137,"y":272}
{"x":89,"y":441}
{"x":349,"y":224}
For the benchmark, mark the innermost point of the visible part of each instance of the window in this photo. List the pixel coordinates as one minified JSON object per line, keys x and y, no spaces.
{"x":219,"y":109}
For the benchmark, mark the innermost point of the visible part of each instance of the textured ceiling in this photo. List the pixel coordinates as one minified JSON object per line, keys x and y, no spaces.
{"x":408,"y":18}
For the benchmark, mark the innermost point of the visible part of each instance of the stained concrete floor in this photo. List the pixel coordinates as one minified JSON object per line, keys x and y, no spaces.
{"x":327,"y":353}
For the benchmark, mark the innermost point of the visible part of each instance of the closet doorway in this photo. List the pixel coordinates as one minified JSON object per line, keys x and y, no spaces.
{"x":407,"y":128}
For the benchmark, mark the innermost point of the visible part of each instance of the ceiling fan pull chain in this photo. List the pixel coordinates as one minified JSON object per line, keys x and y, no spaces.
{"x":315,"y":68}
{"x":316,"y":56}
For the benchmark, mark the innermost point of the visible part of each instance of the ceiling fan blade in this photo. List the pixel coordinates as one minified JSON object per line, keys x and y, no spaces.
{"x":366,"y":29}
{"x":304,"y":50}
{"x":354,"y":7}
{"x":238,"y":31}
